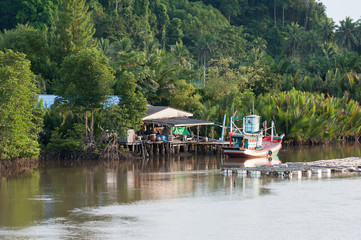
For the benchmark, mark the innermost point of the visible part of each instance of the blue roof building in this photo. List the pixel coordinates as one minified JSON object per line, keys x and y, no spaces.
{"x":49,"y":100}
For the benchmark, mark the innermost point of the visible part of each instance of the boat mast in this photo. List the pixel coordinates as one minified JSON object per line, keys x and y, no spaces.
{"x":231,"y":124}
{"x":244,"y":125}
{"x":223,"y":127}
{"x":272,"y":126}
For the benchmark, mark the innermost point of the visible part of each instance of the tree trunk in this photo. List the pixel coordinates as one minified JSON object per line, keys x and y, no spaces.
{"x":91,"y":137}
{"x":204,"y":72}
{"x":306,"y":18}
{"x":118,"y":5}
{"x":86,"y":127}
{"x":274,"y":12}
{"x":283,"y":17}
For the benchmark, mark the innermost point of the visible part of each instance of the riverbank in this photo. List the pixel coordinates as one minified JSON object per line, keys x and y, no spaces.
{"x":350,"y":162}
{"x":12,"y":167}
{"x":17,"y":166}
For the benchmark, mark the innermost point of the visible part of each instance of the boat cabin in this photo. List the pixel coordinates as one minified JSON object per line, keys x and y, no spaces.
{"x":251,"y":140}
{"x":251,"y":137}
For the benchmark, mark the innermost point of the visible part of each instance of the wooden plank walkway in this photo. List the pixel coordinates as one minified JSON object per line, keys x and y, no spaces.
{"x":146,"y":148}
{"x":318,"y":168}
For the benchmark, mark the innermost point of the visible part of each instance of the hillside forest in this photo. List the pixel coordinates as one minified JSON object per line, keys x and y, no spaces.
{"x":284,"y":60}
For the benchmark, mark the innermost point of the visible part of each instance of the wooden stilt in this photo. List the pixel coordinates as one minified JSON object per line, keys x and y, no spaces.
{"x":156,"y":149}
{"x":151,"y":151}
{"x":198,"y":133}
{"x":162,"y":149}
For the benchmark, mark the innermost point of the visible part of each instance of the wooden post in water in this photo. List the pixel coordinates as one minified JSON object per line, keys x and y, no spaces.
{"x":162,"y":149}
{"x":142,"y":149}
{"x":151,"y":150}
{"x":156,"y":148}
{"x":183,"y":147}
{"x":167,"y":148}
{"x":172,"y":148}
{"x":198,"y":133}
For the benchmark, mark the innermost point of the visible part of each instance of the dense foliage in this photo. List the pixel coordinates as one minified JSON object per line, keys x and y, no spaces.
{"x":20,"y":121}
{"x":210,"y":57}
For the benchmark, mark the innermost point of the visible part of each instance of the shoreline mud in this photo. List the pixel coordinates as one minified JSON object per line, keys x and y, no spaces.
{"x":342,"y":162}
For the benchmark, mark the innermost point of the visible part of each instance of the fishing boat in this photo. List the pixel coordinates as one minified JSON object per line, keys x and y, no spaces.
{"x":251,"y":141}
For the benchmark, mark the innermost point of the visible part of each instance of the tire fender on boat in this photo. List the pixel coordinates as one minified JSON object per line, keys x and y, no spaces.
{"x":270,"y":153}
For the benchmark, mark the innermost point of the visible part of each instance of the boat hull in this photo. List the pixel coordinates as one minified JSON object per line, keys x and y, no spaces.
{"x":245,"y":153}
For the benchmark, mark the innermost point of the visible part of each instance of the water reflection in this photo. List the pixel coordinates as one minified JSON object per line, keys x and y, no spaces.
{"x":78,"y":202}
{"x":319,"y":152}
{"x":250,"y":162}
{"x":53,"y":192}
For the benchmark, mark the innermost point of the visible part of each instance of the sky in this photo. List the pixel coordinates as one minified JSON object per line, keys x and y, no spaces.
{"x":340,"y":9}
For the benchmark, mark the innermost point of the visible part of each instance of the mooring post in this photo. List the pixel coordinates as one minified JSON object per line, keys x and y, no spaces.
{"x":198,"y":133}
{"x":172,"y":148}
{"x":167,"y":148}
{"x":162,"y":148}
{"x":156,"y":148}
{"x":151,"y":151}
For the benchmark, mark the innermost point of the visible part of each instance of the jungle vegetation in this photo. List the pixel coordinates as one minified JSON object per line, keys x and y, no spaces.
{"x":288,"y":59}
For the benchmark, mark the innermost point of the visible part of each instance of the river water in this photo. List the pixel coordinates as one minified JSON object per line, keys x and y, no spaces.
{"x":185,"y":197}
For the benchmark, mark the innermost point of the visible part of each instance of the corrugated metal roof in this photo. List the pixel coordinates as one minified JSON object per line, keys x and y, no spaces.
{"x":154,"y":109}
{"x":164,"y":112}
{"x":179,"y":122}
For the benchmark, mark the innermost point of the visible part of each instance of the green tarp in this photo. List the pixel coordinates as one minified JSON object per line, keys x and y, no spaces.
{"x":180,"y":130}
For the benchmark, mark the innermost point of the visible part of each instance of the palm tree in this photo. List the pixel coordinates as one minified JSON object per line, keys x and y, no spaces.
{"x":105,"y":47}
{"x":293,"y":38}
{"x":346,"y":34}
{"x":358,"y":34}
{"x":311,"y":41}
{"x":182,"y":55}
{"x":123,"y":45}
{"x":285,"y":4}
{"x":205,"y":48}
{"x":306,"y":17}
{"x":327,"y":26}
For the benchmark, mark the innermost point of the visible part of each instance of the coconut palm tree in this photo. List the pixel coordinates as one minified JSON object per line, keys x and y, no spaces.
{"x":311,"y":41}
{"x":327,"y":26}
{"x":182,"y":55}
{"x":293,"y":38}
{"x":346,"y":34}
{"x":104,"y":46}
{"x":205,"y":48}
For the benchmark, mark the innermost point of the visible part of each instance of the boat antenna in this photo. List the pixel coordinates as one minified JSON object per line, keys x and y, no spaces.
{"x":253,"y":106}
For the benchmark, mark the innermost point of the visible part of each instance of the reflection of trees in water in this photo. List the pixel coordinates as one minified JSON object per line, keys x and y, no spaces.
{"x":12,"y":168}
{"x":17,"y":207}
{"x":56,"y":191}
{"x":319,"y":152}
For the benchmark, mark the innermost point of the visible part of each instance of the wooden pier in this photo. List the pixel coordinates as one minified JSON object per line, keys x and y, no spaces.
{"x":147,"y":148}
{"x":297,"y":169}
